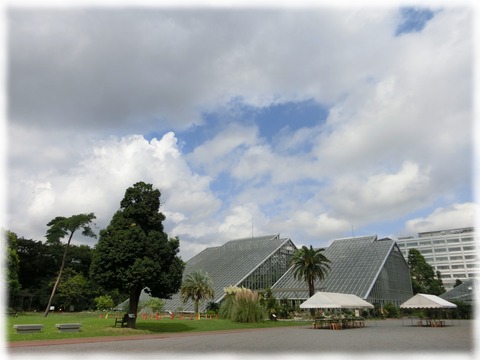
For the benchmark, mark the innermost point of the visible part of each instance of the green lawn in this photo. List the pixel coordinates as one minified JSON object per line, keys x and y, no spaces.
{"x":94,"y":326}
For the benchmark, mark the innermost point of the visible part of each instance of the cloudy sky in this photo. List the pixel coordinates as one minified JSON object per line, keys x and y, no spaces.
{"x":311,"y":122}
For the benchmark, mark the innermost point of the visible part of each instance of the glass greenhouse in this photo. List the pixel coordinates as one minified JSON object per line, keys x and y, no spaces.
{"x":255,"y":263}
{"x":373,"y":269}
{"x":464,"y":292}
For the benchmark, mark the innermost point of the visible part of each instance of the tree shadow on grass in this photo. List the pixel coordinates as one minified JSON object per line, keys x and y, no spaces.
{"x":163,"y":327}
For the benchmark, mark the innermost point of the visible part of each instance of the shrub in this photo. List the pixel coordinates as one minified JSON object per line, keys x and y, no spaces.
{"x":228,"y":303}
{"x":213,"y":307}
{"x":156,"y":304}
{"x":248,"y":307}
{"x":269,"y":302}
{"x":242,"y":305}
{"x":464,"y":310}
{"x":391,"y":310}
{"x":104,"y":302}
{"x":152,"y":306}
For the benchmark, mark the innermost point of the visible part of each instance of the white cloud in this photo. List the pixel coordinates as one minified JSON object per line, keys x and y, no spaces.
{"x":98,"y":182}
{"x":396,"y":141}
{"x":260,"y":160}
{"x":221,"y":152}
{"x":383,"y":195}
{"x":104,"y":68}
{"x":452,"y":217}
{"x":255,"y":162}
{"x":416,"y":107}
{"x":238,"y":222}
{"x":43,"y":198}
{"x":322,"y":225}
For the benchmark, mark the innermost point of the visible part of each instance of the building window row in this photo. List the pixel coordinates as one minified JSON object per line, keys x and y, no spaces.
{"x":430,"y":243}
{"x":445,"y":250}
{"x":457,"y":258}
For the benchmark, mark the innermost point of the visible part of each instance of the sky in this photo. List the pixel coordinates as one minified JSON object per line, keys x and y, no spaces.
{"x":312,"y":122}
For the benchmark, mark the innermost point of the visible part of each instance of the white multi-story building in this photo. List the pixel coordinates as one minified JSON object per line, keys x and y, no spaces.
{"x":452,"y":252}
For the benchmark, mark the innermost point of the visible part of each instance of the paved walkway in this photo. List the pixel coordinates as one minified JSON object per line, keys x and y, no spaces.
{"x":376,"y":339}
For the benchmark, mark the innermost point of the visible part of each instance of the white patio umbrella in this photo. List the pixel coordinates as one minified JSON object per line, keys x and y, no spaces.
{"x":427,"y":301}
{"x":328,"y":300}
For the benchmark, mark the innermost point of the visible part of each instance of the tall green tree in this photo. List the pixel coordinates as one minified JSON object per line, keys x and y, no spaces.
{"x":197,"y":286}
{"x":13,"y":263}
{"x":39,"y":264}
{"x":72,"y":290}
{"x":425,"y":279}
{"x":38,"y":261}
{"x":61,"y":227}
{"x":134,"y":252}
{"x":310,"y":265}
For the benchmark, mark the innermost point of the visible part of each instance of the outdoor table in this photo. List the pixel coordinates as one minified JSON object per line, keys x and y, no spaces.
{"x":327,"y":323}
{"x":322,"y":323}
{"x":353,"y":322}
{"x":335,"y":324}
{"x":348,"y":323}
{"x":420,"y":322}
{"x":435,"y":323}
{"x":359,"y":322}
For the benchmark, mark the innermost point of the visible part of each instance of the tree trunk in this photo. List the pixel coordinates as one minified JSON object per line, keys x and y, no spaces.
{"x":196,"y":308}
{"x":133,"y":306}
{"x":311,"y":292}
{"x":58,"y":277}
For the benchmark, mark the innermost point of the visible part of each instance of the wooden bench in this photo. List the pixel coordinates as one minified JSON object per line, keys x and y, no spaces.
{"x":121,"y":320}
{"x":28,"y":328}
{"x":74,"y":327}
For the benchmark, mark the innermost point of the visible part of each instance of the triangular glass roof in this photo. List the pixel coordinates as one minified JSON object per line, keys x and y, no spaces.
{"x":464,"y":292}
{"x":355,"y":265}
{"x":229,"y":264}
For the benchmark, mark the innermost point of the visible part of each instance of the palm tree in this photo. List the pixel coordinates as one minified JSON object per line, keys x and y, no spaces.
{"x":197,"y":286}
{"x":310,"y":264}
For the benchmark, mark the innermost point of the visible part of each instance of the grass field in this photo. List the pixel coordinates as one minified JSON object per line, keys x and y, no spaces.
{"x":94,"y":326}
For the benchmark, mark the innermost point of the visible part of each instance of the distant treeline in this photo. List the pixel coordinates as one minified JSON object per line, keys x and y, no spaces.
{"x":37,"y":271}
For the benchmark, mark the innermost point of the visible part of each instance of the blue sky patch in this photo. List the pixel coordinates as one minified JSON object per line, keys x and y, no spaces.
{"x":292,"y":115}
{"x":413,"y":20}
{"x":271,"y":121}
